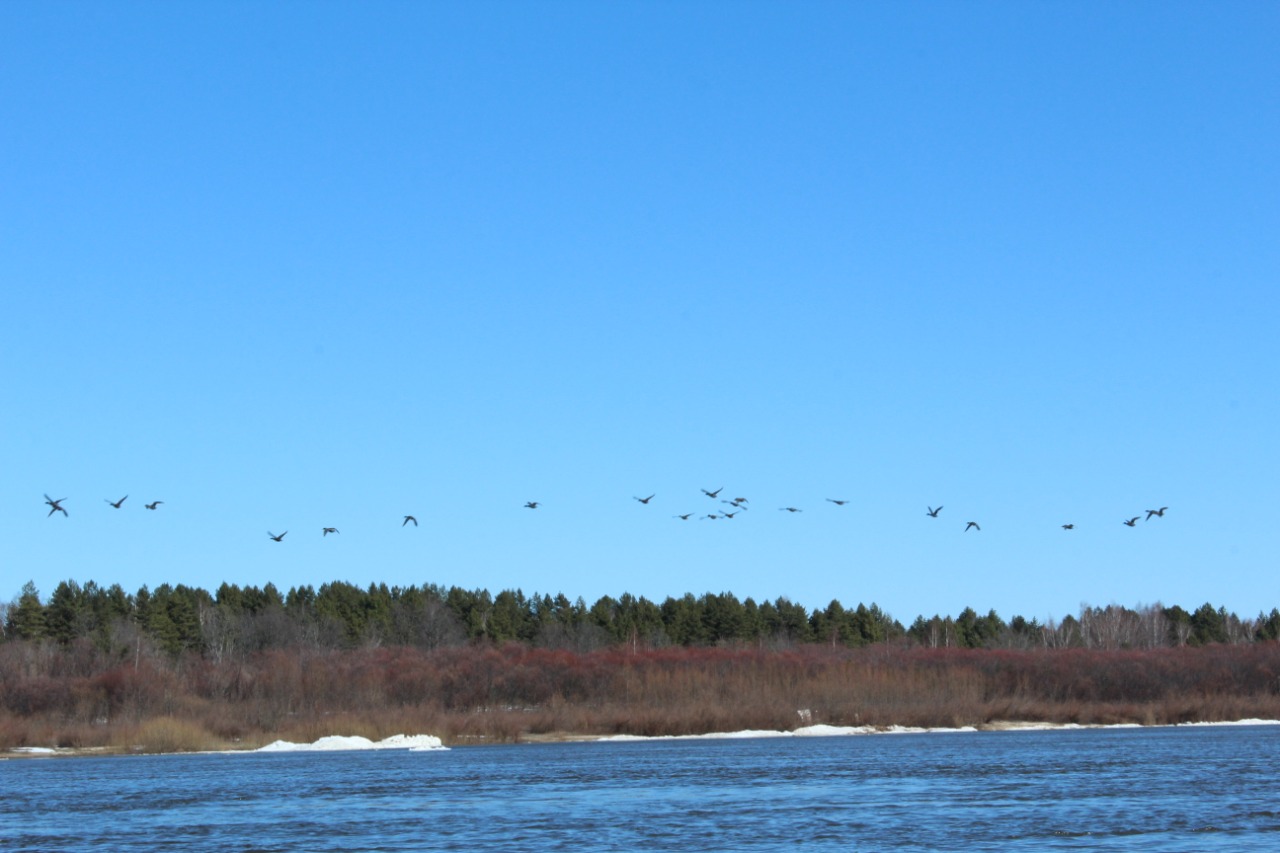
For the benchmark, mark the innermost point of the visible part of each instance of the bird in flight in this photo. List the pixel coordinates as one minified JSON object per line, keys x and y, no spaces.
{"x":646,"y":500}
{"x":116,"y":504}
{"x":711,"y":516}
{"x":684,"y":517}
{"x":1068,"y":527}
{"x":153,"y":504}
{"x":530,"y":504}
{"x":713,"y":494}
{"x":55,"y":506}
{"x":789,"y":509}
{"x":329,"y":530}
{"x":407,"y":519}
{"x":730,"y":515}
{"x":276,"y":538}
{"x":736,"y":503}
{"x":972,"y":524}
{"x":933,"y":513}
{"x":836,"y":502}
{"x":1132,"y":521}
{"x":1156,"y":512}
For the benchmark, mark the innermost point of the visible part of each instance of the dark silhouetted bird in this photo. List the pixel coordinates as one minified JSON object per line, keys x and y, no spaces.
{"x":1068,"y":527}
{"x":1131,"y":522}
{"x":1156,"y":512}
{"x":407,"y":519}
{"x":276,"y":538}
{"x":153,"y":504}
{"x":716,"y":493}
{"x":531,"y":505}
{"x":329,"y":530}
{"x":55,"y":506}
{"x":972,"y":524}
{"x":730,"y":515}
{"x":933,"y":513}
{"x":712,"y":516}
{"x":789,"y":509}
{"x":836,"y":502}
{"x":116,"y":504}
{"x":684,"y":517}
{"x":646,"y":500}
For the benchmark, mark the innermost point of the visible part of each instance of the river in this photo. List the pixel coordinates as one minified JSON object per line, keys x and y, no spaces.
{"x":1192,"y":788}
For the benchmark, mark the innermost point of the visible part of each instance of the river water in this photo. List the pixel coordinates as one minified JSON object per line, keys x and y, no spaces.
{"x":1160,"y":789}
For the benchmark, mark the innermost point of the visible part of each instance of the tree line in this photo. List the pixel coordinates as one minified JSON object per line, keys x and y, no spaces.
{"x":236,"y":621}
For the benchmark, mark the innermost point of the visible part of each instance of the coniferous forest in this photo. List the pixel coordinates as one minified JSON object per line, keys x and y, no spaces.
{"x":179,"y":668}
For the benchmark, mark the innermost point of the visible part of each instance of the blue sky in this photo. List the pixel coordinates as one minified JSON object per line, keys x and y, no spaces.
{"x":295,"y":265}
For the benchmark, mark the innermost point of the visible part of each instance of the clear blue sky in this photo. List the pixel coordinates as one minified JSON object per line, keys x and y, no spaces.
{"x":294,"y":265}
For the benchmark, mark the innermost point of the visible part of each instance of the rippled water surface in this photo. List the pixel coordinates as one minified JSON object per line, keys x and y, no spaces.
{"x":1166,"y":789}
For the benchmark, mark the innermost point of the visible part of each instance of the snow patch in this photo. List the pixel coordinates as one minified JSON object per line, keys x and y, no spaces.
{"x":844,"y":731}
{"x":338,"y":743}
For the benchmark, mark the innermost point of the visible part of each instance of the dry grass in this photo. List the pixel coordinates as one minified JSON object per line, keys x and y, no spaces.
{"x":165,"y":734}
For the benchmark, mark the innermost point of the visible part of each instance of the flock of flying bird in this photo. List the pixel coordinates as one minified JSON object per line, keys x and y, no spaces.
{"x":739,"y":505}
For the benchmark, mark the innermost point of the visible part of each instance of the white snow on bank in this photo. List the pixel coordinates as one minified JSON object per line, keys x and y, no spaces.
{"x":843,"y":731}
{"x":804,"y":731}
{"x":1237,"y":723}
{"x":336,"y":743}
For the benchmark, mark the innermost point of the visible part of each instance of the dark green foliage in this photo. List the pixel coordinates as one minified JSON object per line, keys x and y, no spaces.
{"x":1179,"y":625}
{"x":1268,"y":627}
{"x":173,"y":617}
{"x":237,"y":622}
{"x":1208,"y":625}
{"x":683,"y":619}
{"x":976,"y":632}
{"x":26,"y":618}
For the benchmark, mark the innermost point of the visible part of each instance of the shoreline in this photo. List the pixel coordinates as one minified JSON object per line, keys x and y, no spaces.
{"x":430,"y":743}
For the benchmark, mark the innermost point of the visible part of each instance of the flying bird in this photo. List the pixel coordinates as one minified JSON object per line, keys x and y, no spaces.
{"x":329,"y":530}
{"x":407,"y":519}
{"x":684,"y":517}
{"x":153,"y":504}
{"x":276,"y":538}
{"x":972,"y":524}
{"x":789,"y":509}
{"x":933,"y":513}
{"x":1068,"y":527}
{"x":711,"y":516}
{"x":713,"y":494}
{"x":531,"y":505}
{"x":1132,"y":521}
{"x":836,"y":502}
{"x":55,"y":506}
{"x":646,"y":500}
{"x":116,"y":504}
{"x":1157,"y":512}
{"x":736,"y":503}
{"x":730,"y":515}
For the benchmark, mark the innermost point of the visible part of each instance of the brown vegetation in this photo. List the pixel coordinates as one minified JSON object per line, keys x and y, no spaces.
{"x":78,"y":696}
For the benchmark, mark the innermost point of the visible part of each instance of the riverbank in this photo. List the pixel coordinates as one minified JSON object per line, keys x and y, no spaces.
{"x":430,"y":743}
{"x":514,"y":694}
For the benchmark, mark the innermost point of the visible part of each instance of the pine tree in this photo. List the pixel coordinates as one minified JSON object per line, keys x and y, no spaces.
{"x":27,"y":616}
